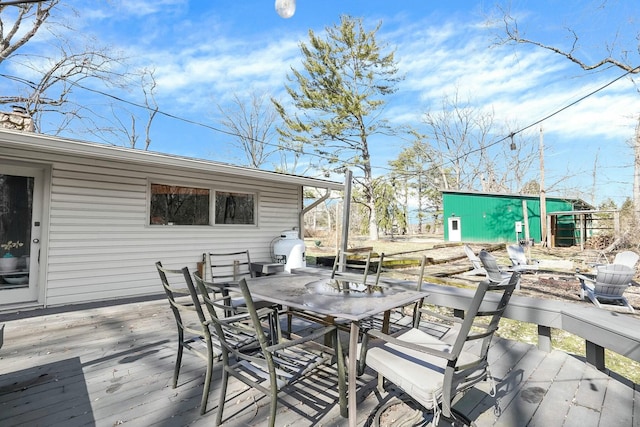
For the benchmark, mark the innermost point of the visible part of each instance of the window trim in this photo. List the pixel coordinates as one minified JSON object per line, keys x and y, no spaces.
{"x":213,"y":191}
{"x":238,"y":191}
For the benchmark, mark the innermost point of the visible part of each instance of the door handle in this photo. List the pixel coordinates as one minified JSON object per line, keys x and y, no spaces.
{"x":36,"y":241}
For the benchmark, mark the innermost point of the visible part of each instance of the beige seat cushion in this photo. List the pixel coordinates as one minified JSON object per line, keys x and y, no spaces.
{"x":418,"y":374}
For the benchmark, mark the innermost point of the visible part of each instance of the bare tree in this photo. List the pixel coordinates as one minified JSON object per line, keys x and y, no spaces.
{"x":72,"y":63}
{"x":615,"y":56}
{"x":471,"y":153}
{"x":19,"y":23}
{"x":148,"y":85}
{"x":59,"y":77}
{"x":252,"y":125}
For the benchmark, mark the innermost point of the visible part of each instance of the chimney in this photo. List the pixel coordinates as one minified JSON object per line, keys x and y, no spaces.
{"x":18,"y":119}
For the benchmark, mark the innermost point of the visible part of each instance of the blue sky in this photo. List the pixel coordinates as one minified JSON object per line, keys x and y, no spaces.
{"x":204,"y":52}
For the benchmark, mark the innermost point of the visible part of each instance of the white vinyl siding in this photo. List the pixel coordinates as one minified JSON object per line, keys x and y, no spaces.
{"x":100,"y":245}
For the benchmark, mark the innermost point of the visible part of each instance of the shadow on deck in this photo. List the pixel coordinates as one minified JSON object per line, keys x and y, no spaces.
{"x":112,"y":365}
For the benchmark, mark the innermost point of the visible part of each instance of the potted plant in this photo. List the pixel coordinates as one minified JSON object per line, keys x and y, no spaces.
{"x":8,"y":262}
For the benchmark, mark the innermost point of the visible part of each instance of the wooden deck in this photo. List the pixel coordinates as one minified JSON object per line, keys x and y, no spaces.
{"x":112,"y":365}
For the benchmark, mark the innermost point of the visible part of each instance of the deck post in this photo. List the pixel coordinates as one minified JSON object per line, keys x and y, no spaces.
{"x":595,"y":355}
{"x":544,"y":338}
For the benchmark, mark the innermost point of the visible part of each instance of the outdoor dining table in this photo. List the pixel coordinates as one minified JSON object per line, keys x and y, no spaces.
{"x":312,"y":294}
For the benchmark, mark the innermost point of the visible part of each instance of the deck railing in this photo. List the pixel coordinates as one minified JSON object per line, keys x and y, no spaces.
{"x":600,"y":328}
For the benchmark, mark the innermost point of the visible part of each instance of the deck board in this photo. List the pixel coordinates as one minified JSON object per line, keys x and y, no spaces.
{"x":113,"y":365}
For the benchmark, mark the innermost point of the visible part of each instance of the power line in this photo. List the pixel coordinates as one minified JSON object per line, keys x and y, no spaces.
{"x":303,"y":152}
{"x":537,"y":122}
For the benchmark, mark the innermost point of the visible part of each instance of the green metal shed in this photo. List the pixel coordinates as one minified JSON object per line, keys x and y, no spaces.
{"x":496,"y":217}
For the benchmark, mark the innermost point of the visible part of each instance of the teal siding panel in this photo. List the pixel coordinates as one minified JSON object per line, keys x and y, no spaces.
{"x":493,"y":217}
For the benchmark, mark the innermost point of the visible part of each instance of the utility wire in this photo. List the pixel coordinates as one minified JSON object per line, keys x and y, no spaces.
{"x":547,"y":117}
{"x":301,"y":151}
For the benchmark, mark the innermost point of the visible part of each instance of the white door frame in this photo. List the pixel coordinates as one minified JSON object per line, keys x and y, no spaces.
{"x":32,"y":292}
{"x":454,"y":229}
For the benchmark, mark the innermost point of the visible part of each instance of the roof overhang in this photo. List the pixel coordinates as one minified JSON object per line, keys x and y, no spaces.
{"x":31,"y":142}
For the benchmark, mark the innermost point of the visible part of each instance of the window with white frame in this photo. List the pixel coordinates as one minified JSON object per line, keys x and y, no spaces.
{"x":179,"y":205}
{"x":184,"y":205}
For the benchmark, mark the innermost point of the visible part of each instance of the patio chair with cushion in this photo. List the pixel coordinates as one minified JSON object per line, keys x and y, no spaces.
{"x":195,"y":333}
{"x":433,"y":371}
{"x":608,"y":285}
{"x":519,"y":260}
{"x":277,"y":364}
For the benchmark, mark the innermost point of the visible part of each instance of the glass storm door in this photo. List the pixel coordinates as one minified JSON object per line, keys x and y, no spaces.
{"x":20,"y":217}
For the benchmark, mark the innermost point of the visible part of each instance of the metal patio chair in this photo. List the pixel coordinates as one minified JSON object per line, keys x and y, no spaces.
{"x":223,"y":268}
{"x":432,"y":371}
{"x":351,"y":271}
{"x":354,"y":265}
{"x":404,"y":316}
{"x":278,"y":364}
{"x":193,"y":335}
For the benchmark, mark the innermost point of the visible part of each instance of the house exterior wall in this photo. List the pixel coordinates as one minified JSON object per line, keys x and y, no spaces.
{"x":492,"y":217}
{"x":98,"y":244}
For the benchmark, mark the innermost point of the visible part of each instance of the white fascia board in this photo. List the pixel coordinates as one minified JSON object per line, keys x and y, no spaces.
{"x":55,"y":145}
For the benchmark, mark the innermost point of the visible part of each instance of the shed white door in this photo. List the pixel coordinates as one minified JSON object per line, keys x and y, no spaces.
{"x":21,"y":191}
{"x":454,"y":230}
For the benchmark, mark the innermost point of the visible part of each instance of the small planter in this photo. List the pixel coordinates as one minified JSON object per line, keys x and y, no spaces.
{"x":8,"y":264}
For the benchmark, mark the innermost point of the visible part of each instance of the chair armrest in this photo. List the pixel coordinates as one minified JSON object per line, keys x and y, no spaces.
{"x":440,"y":316}
{"x":584,"y":278}
{"x":420,"y":348}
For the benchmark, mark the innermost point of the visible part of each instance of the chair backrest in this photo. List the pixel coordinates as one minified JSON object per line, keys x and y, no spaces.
{"x":480,"y":322}
{"x":177,"y":285}
{"x":517,"y":255}
{"x":613,"y":279}
{"x":628,"y":258}
{"x":225,"y":267}
{"x":232,"y":333}
{"x":490,"y":265}
{"x":475,"y":261}
{"x":355,"y":265}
